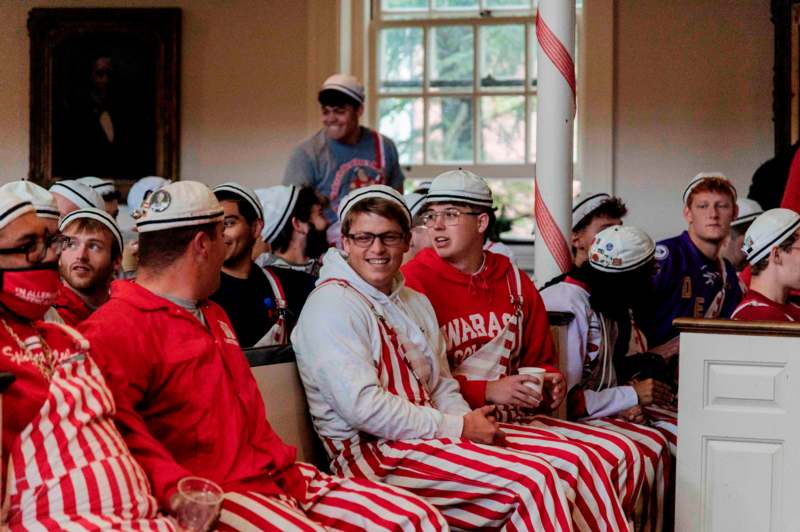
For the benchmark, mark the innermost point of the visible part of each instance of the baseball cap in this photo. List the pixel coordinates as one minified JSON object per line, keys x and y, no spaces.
{"x":621,"y":248}
{"x":42,"y":200}
{"x":102,"y":186}
{"x":141,"y":189}
{"x":80,"y":194}
{"x":346,"y":84}
{"x":179,"y":204}
{"x":702,"y":176}
{"x":767,"y":231}
{"x":373,"y":191}
{"x":460,"y":186}
{"x":12,"y":207}
{"x":585,"y":204}
{"x":277,"y":204}
{"x":244,"y":193}
{"x":94,"y":214}
{"x":749,"y":210}
{"x":414,"y":202}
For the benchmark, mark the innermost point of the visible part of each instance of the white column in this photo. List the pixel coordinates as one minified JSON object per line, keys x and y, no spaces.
{"x":554,"y":124}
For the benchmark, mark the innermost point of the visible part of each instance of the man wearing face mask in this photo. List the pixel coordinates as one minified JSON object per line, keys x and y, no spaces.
{"x":262,"y":304}
{"x":295,"y":228}
{"x":56,"y":482}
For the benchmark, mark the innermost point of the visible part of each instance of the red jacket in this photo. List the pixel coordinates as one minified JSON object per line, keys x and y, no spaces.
{"x":72,"y":309}
{"x":482,"y":302}
{"x":756,"y":307}
{"x":193,"y":388}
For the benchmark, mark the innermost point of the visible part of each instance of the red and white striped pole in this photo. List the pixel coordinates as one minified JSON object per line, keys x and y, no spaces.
{"x":555,"y":116}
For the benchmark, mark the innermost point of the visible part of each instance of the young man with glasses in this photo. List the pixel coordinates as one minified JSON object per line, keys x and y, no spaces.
{"x":772,"y":248}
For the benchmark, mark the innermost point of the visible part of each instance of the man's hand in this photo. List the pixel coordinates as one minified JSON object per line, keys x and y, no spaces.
{"x":634,"y":414}
{"x":651,"y":391}
{"x":513,"y":391}
{"x":667,"y":349}
{"x":480,"y":426}
{"x":556,"y":387}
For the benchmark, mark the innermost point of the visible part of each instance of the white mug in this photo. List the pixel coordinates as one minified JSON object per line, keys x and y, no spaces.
{"x":536,"y":372}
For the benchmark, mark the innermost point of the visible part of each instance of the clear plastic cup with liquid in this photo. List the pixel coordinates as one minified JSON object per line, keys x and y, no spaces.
{"x":198,"y":504}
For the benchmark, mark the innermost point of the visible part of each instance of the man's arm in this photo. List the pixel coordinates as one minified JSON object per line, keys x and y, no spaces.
{"x":300,"y":169}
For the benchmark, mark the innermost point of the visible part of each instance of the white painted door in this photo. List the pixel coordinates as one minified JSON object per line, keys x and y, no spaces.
{"x":738,"y":434}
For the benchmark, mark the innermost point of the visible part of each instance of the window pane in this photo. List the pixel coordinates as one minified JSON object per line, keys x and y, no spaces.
{"x":532,"y":129}
{"x":514,"y":201}
{"x":460,"y":5}
{"x":508,"y":4}
{"x":451,"y":58}
{"x":401,"y":120}
{"x":450,"y":130}
{"x":503,"y":56}
{"x":502,"y":129}
{"x":402,"y":5}
{"x":400,"y":59}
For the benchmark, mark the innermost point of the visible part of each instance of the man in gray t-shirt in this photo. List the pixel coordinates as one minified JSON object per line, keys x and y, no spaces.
{"x":343,"y":155}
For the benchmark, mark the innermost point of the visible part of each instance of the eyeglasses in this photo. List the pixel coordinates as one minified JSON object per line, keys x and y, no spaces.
{"x":451,"y":217}
{"x":36,"y":250}
{"x":364,"y":240}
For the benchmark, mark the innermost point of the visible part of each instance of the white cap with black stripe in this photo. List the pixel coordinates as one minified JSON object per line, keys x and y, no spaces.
{"x":460,"y":186}
{"x":278,"y":205}
{"x":243,"y":192}
{"x":373,"y":191}
{"x":346,"y":84}
{"x":621,"y":248}
{"x":767,"y":231}
{"x":102,"y":186}
{"x":82,"y":195}
{"x":179,"y":204}
{"x":94,"y":214}
{"x":585,"y":204}
{"x":749,"y":210}
{"x":43,"y":201}
{"x":702,"y":176}
{"x":414,"y":202}
{"x":12,"y":207}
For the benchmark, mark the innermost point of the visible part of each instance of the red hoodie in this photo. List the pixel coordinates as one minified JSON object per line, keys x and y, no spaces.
{"x":72,"y":309}
{"x":472,"y":309}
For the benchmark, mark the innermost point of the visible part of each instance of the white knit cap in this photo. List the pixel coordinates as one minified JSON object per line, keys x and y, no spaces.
{"x":621,"y":248}
{"x":141,"y":189}
{"x":460,"y":186}
{"x":373,"y":191}
{"x":80,"y":194}
{"x":767,"y":231}
{"x":243,"y":192}
{"x":12,"y":207}
{"x":94,"y":214}
{"x":414,"y":202}
{"x":749,"y":210}
{"x":346,"y":84}
{"x":585,"y":203}
{"x":278,"y":204}
{"x":102,"y":186}
{"x":179,"y":204}
{"x":702,"y":176}
{"x":43,"y":201}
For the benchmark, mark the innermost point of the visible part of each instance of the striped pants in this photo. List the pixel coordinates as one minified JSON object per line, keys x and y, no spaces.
{"x":585,"y":477}
{"x":474,"y":486}
{"x":330,"y":503}
{"x":655,"y":448}
{"x":665,"y":422}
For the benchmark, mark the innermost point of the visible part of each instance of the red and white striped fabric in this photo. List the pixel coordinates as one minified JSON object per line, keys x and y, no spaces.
{"x":474,"y":486}
{"x":70,"y":467}
{"x":666,"y":422}
{"x":325,"y":502}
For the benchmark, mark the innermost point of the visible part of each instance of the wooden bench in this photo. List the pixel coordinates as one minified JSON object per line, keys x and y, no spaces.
{"x":738,"y":426}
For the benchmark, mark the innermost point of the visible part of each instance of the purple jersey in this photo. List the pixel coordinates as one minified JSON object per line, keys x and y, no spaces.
{"x":685,"y":283}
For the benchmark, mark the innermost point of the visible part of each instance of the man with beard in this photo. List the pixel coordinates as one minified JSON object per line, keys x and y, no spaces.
{"x":691,"y":279}
{"x":295,"y":228}
{"x":262,"y":304}
{"x":89,"y":262}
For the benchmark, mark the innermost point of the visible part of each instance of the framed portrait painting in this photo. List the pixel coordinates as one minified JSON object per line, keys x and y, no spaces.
{"x":104,"y":93}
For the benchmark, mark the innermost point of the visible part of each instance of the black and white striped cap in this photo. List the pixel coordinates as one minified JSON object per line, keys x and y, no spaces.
{"x":243,"y":192}
{"x":94,"y":214}
{"x":278,"y":205}
{"x":102,"y":186}
{"x":702,"y":176}
{"x":346,"y":84}
{"x":179,"y":204}
{"x":460,"y":186}
{"x":12,"y":207}
{"x":767,"y":231}
{"x":414,"y":202}
{"x":372,"y":191}
{"x":43,"y":201}
{"x":749,"y":210}
{"x":82,"y":195}
{"x":585,"y":203}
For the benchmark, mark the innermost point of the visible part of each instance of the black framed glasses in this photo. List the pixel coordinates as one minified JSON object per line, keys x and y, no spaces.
{"x":389,"y":239}
{"x":451,"y":217}
{"x":36,"y":250}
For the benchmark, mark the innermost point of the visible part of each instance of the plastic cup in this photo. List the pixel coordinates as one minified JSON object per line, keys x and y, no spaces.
{"x":536,"y":372}
{"x":198,"y":505}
